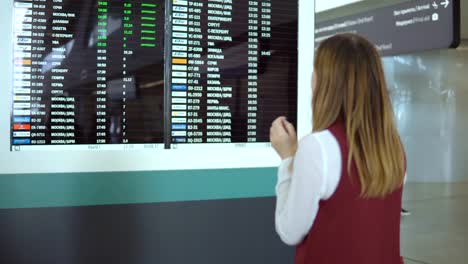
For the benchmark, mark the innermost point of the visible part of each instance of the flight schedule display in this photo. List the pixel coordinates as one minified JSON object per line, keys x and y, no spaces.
{"x":233,"y":69}
{"x":151,"y":73}
{"x":88,"y":73}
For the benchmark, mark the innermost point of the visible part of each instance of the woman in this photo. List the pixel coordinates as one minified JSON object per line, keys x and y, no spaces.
{"x":339,"y":190}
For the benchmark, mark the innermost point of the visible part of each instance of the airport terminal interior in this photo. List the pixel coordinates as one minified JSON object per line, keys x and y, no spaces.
{"x":432,"y":115}
{"x":429,"y":92}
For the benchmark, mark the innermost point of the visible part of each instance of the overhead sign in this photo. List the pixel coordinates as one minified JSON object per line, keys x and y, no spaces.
{"x":402,"y":28}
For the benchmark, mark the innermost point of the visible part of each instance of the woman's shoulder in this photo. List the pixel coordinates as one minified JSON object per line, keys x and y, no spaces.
{"x":323,"y":143}
{"x":319,"y":137}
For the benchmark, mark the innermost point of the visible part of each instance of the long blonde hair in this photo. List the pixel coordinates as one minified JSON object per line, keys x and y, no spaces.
{"x":350,"y":84}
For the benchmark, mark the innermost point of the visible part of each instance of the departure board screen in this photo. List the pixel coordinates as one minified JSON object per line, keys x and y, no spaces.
{"x":233,"y":69}
{"x":88,"y":73}
{"x":149,"y":74}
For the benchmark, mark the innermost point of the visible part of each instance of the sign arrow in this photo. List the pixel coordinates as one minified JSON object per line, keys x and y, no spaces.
{"x":446,"y":3}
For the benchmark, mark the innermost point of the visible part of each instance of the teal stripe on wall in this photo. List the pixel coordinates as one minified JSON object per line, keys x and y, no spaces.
{"x":80,"y":189}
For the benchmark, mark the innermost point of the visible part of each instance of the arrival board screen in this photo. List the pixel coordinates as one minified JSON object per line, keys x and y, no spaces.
{"x":121,"y":74}
{"x":88,"y":73}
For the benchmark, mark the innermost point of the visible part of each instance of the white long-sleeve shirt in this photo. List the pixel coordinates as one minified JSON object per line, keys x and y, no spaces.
{"x":310,"y":176}
{"x":304,"y":180}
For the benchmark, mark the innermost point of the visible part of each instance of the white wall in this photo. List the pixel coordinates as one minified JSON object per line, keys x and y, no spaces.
{"x":322,"y":5}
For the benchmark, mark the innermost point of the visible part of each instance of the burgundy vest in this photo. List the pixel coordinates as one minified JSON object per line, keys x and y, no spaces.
{"x":350,"y":229}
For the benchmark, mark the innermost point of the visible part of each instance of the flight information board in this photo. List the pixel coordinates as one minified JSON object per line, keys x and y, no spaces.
{"x":234,"y":69}
{"x":88,"y":73}
{"x":151,"y":73}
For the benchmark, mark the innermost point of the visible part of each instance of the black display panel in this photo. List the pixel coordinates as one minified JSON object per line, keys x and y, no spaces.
{"x":233,"y":69}
{"x":151,"y":73}
{"x":88,"y":72}
{"x":402,"y":28}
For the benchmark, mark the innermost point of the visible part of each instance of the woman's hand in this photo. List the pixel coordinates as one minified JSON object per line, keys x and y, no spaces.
{"x":283,"y":137}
